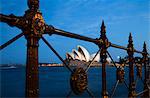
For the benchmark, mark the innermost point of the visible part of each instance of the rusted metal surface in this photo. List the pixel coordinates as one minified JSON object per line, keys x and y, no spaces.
{"x":103,"y":57}
{"x":11,"y":41}
{"x":68,"y":34}
{"x":32,"y":80}
{"x":139,"y":71}
{"x":146,"y":74}
{"x":120,"y":75}
{"x":138,"y":63}
{"x":12,"y":20}
{"x":78,"y":81}
{"x":33,"y":27}
{"x":130,"y":52}
{"x":119,"y":80}
{"x":124,"y":48}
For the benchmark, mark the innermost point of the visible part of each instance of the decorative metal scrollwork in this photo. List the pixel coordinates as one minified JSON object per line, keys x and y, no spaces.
{"x":33,"y":27}
{"x":78,"y":81}
{"x":120,"y":74}
{"x":38,"y":24}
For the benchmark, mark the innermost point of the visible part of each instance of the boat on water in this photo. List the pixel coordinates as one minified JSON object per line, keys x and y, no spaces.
{"x":7,"y":67}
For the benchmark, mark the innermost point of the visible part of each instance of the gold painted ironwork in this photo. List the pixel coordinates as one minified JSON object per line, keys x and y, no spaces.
{"x":78,"y":81}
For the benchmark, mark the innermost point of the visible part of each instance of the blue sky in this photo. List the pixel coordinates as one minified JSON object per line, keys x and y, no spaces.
{"x":82,"y":17}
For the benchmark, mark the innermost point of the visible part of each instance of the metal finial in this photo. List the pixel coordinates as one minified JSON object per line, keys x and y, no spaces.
{"x":144,"y":48}
{"x":130,"y":45}
{"x":103,"y":23}
{"x":33,"y":4}
{"x":130,"y":52}
{"x":103,"y":31}
{"x":146,"y":72}
{"x":103,"y":27}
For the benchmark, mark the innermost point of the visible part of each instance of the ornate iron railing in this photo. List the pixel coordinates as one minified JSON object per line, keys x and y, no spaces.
{"x":33,"y":27}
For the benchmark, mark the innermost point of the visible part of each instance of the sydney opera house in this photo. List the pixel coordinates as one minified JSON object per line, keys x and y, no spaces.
{"x":81,"y":56}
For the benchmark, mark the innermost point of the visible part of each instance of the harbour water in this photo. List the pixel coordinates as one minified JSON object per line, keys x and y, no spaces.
{"x":54,"y":82}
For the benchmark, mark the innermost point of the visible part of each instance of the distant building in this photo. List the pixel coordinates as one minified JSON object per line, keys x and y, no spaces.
{"x":50,"y":64}
{"x":81,"y":56}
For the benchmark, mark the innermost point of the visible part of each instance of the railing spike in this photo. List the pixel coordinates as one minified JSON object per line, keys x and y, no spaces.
{"x":130,"y":52}
{"x":33,"y":4}
{"x":103,"y":30}
{"x":130,"y":40}
{"x":146,"y":76}
{"x":144,"y":47}
{"x":103,"y":46}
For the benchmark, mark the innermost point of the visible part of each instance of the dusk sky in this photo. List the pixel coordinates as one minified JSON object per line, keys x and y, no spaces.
{"x":81,"y":17}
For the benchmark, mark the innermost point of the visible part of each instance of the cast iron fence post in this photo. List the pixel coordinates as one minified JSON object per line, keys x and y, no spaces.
{"x":130,"y":52}
{"x":146,"y":75}
{"x":103,"y":46}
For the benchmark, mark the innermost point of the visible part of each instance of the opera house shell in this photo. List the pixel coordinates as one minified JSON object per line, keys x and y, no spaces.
{"x":82,"y":54}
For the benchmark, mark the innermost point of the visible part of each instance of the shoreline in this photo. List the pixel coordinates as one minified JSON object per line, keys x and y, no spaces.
{"x":58,"y":65}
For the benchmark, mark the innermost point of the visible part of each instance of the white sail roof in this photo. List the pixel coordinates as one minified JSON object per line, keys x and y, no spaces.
{"x":83,"y":55}
{"x":84,"y":52}
{"x":77,"y":55}
{"x":70,"y":55}
{"x":108,"y":60}
{"x":97,"y":58}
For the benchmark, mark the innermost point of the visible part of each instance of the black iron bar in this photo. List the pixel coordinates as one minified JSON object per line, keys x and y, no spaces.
{"x":76,"y":36}
{"x":142,"y":80}
{"x":136,"y":81}
{"x":11,"y":41}
{"x":124,"y":48}
{"x":130,"y":46}
{"x":138,"y":51}
{"x":6,"y":18}
{"x":89,"y":92}
{"x":13,"y":20}
{"x":103,"y":45}
{"x":111,"y":58}
{"x":118,"y":46}
{"x":27,"y":23}
{"x":114,"y":89}
{"x":126,"y":84}
{"x":70,"y":92}
{"x":92,"y":61}
{"x":145,"y":83}
{"x":70,"y":35}
{"x":146,"y":74}
{"x":56,"y":53}
{"x":32,"y":67}
{"x":142,"y":92}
